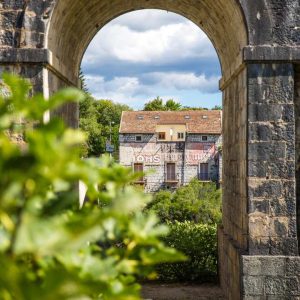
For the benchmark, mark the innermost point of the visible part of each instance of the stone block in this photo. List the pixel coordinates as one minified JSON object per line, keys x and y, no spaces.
{"x":268,"y":112}
{"x":271,"y":83}
{"x":264,"y":188}
{"x":266,"y":151}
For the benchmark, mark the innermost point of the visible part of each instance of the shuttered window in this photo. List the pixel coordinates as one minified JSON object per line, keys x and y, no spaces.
{"x":171,"y":172}
{"x":204,"y":175}
{"x":161,"y":135}
{"x":138,"y":168}
{"x":180,"y":135}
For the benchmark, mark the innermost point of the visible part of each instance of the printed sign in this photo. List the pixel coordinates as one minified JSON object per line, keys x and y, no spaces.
{"x":109,"y":147}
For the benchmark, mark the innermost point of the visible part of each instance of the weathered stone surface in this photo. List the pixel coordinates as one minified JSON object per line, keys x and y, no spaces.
{"x":16,"y":55}
{"x":271,"y":276}
{"x":271,"y":53}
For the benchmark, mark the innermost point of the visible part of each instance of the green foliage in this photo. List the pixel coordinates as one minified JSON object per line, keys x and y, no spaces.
{"x":100,"y":119}
{"x":172,"y":105}
{"x":49,"y":248}
{"x":199,"y":243}
{"x":155,"y":105}
{"x":198,"y":202}
{"x":158,"y":105}
{"x":185,"y":108}
{"x":217,"y":107}
{"x":83,"y":84}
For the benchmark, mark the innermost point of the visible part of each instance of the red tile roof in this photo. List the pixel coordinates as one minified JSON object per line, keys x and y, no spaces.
{"x":197,"y":121}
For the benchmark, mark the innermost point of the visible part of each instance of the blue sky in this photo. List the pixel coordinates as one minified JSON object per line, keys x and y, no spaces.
{"x":149,"y":53}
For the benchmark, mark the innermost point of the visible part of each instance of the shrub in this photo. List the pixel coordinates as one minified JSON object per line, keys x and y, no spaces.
{"x":198,"y":202}
{"x":49,"y":248}
{"x":199,"y":243}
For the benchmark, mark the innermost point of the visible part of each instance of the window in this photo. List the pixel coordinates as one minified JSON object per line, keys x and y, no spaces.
{"x":204,"y":172}
{"x":171,"y":172}
{"x":180,"y":135}
{"x":138,"y":138}
{"x":138,"y":168}
{"x":161,"y":135}
{"x":204,"y":138}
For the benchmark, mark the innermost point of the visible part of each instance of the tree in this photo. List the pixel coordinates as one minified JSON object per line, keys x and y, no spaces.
{"x":158,"y":105}
{"x":100,"y":119}
{"x":88,"y":122}
{"x":172,"y":105}
{"x":49,"y":248}
{"x":83,"y":84}
{"x":155,"y":105}
{"x":217,"y":107}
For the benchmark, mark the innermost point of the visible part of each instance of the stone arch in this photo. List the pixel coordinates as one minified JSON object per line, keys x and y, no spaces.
{"x":73,"y":24}
{"x":258,"y":45}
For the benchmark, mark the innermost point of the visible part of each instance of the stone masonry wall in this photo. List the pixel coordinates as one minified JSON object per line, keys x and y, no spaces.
{"x":154,"y":155}
{"x":23,"y":23}
{"x":271,"y":160}
{"x":270,"y":277}
{"x":297,"y":114}
{"x":233,"y":235}
{"x":34,"y":73}
{"x":234,"y":160}
{"x":69,"y":112}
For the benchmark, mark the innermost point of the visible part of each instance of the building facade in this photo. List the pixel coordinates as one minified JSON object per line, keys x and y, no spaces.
{"x":172,"y":148}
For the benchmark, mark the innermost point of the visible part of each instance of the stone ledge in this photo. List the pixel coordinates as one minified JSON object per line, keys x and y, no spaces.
{"x":14,"y":55}
{"x":271,"y":54}
{"x":43,"y":56}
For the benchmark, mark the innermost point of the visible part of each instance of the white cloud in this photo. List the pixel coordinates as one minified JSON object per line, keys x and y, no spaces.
{"x":119,"y":89}
{"x":185,"y":81}
{"x":150,"y":53}
{"x":165,"y":44}
{"x":132,"y":89}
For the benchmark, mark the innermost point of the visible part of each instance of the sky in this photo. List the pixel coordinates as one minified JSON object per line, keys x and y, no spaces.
{"x":148,"y":53}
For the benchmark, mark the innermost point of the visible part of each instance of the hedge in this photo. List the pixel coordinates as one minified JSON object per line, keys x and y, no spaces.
{"x":199,"y":243}
{"x":198,"y":202}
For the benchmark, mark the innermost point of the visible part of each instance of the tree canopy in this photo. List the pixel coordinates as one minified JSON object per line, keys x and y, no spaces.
{"x":158,"y":104}
{"x":100,"y":119}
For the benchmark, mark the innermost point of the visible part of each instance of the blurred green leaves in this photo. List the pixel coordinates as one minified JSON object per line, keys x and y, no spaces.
{"x":49,"y":248}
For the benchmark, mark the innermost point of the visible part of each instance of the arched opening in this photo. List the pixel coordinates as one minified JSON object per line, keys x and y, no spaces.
{"x":72,"y":26}
{"x":131,"y":61}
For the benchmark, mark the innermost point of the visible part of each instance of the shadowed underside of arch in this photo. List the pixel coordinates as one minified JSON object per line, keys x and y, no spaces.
{"x":75,"y":23}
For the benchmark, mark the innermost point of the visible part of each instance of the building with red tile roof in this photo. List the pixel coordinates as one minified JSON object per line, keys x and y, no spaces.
{"x":176,"y":145}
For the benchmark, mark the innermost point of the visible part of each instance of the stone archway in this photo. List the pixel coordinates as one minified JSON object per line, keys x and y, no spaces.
{"x":258,"y":47}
